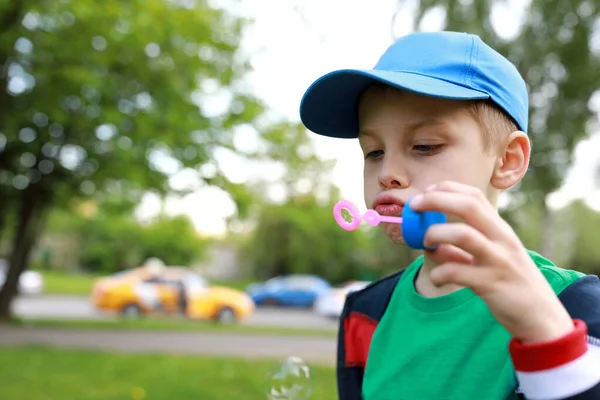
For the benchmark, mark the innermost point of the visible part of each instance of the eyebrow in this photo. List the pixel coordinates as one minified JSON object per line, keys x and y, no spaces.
{"x":410,"y":128}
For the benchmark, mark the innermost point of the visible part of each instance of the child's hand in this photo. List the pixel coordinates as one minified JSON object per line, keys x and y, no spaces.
{"x":484,"y":253}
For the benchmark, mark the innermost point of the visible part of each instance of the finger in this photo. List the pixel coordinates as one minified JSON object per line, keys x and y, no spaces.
{"x":455,"y":187}
{"x":463,"y":236}
{"x":475,"y":277}
{"x":446,"y":253}
{"x":480,"y":215}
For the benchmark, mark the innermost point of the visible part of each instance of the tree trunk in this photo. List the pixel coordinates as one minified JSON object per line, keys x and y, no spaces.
{"x":4,"y":206}
{"x":34,"y":203}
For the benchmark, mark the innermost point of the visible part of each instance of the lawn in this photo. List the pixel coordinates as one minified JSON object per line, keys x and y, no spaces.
{"x":181,"y":325}
{"x":64,"y":282}
{"x":59,"y":282}
{"x":40,"y":373}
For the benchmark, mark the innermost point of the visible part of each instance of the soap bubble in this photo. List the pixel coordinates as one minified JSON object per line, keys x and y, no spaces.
{"x":290,"y":379}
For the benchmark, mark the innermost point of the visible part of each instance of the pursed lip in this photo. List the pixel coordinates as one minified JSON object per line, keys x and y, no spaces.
{"x":387,"y":204}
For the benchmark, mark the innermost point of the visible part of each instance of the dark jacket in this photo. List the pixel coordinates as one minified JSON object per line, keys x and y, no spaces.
{"x":363,"y":311}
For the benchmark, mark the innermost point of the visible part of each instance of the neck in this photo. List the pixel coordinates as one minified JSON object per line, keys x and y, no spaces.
{"x":425,"y":287}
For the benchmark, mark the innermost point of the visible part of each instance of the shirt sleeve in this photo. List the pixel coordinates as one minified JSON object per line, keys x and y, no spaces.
{"x":567,"y":368}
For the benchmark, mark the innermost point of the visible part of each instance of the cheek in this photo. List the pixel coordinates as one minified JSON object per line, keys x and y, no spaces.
{"x":476,"y":172}
{"x":369,"y":197}
{"x":460,"y":167}
{"x":370,"y":187}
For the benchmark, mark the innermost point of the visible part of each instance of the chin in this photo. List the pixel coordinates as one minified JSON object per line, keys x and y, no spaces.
{"x":393,"y":232}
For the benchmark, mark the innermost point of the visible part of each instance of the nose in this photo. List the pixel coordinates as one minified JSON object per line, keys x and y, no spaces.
{"x":391,"y":175}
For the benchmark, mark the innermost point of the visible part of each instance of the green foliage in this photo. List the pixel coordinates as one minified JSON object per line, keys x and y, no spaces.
{"x":290,"y":145}
{"x":525,"y":221}
{"x":301,"y":236}
{"x":575,"y":231}
{"x":109,"y":243}
{"x":110,"y":239}
{"x":584,"y":228}
{"x":173,"y":240}
{"x":100,"y":91}
{"x":112,"y":97}
{"x":117,"y":243}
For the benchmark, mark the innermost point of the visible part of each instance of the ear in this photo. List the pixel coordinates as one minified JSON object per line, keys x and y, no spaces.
{"x":513,"y":161}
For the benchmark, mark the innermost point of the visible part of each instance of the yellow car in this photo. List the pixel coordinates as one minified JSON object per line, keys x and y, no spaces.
{"x":170,"y":290}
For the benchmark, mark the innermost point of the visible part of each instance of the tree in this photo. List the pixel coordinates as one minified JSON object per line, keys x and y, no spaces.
{"x":172,"y":239}
{"x":109,"y":238}
{"x":300,"y":236}
{"x":295,"y":231}
{"x":554,"y":52}
{"x":583,"y":227}
{"x":110,"y":97}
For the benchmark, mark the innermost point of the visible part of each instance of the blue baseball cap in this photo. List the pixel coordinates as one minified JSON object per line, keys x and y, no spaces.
{"x":447,"y":65}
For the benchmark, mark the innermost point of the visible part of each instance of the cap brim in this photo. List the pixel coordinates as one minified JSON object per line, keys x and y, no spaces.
{"x":330,"y":105}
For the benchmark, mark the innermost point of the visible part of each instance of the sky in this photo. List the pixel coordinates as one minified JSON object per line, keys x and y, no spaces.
{"x":294,"y":42}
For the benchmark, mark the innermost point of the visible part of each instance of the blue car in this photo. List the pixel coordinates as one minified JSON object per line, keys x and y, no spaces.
{"x":289,"y":290}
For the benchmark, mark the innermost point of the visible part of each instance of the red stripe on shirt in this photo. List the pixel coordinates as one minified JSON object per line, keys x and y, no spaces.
{"x":358,"y":332}
{"x":547,"y":355}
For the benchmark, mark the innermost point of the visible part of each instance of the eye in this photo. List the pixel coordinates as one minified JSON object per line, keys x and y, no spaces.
{"x":374,"y":154}
{"x":427,"y":148}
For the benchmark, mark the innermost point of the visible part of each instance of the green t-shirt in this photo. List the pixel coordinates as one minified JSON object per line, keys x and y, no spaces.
{"x":444,"y":348}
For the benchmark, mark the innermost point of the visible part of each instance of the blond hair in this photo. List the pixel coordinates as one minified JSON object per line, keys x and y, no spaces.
{"x":494,"y":122}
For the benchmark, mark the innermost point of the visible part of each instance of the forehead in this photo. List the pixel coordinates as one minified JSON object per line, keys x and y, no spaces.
{"x":379,"y":96}
{"x":382,"y":105}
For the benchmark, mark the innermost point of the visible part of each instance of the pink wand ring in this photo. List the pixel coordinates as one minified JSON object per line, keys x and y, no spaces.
{"x":371,"y":217}
{"x":414,"y":224}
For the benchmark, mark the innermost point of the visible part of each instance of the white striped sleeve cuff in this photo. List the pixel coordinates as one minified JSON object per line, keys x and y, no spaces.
{"x":559,"y":369}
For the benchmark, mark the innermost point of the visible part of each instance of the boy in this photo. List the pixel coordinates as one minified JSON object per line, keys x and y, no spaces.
{"x":442,"y":120}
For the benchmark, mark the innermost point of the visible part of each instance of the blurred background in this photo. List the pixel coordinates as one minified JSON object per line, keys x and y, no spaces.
{"x":166,"y":227}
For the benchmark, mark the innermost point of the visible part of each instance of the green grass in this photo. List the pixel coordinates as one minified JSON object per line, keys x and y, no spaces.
{"x":41,"y":373}
{"x":65,"y":282}
{"x":163,"y":324}
{"x":60,"y":282}
{"x":239,"y":285}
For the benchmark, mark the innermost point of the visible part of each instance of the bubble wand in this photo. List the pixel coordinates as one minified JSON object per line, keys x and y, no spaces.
{"x":414,"y":224}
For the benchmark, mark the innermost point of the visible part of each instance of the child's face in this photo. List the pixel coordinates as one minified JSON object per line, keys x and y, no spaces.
{"x":411,"y":142}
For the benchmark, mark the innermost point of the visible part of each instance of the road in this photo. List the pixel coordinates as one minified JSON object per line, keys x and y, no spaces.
{"x":319,"y":350}
{"x":79,"y":307}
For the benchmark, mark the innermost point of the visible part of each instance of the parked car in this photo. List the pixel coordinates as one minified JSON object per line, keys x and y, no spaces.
{"x":30,"y":282}
{"x":297,"y":290}
{"x":170,"y":290}
{"x":331,"y":303}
